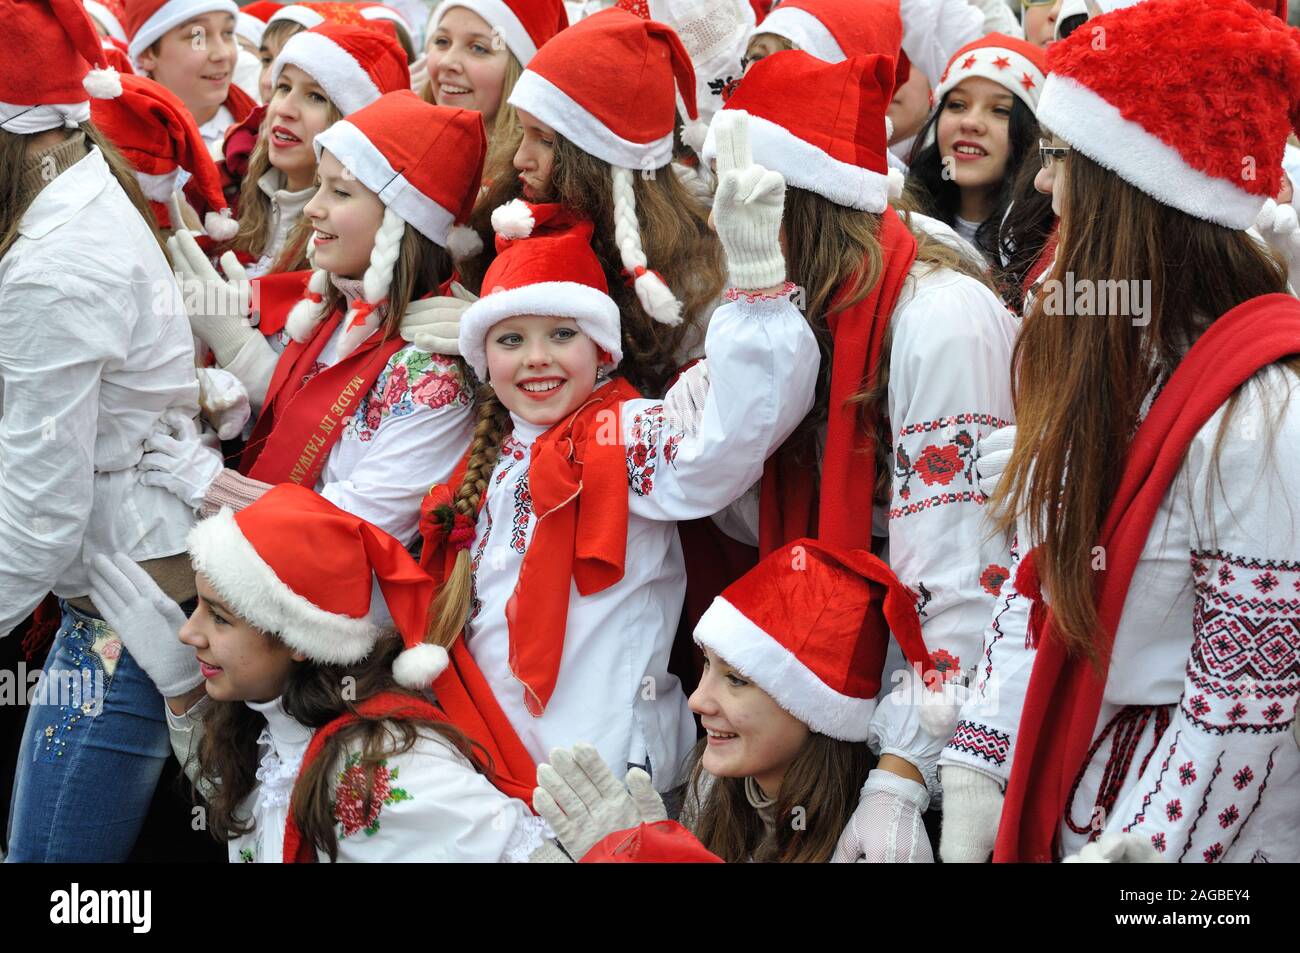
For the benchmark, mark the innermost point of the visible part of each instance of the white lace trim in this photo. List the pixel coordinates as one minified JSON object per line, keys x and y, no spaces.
{"x":276,"y":777}
{"x":527,"y":836}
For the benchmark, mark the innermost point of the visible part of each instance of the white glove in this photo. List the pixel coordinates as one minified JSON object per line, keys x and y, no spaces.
{"x":1117,"y":848}
{"x":684,"y":402}
{"x":224,"y":401}
{"x":1279,"y":226}
{"x":886,"y":828}
{"x":992,"y":457}
{"x":218,"y":309}
{"x":180,"y":462}
{"x":972,"y":810}
{"x":747,"y":208}
{"x":146,"y":620}
{"x":583,"y":802}
{"x":914,"y":722}
{"x":433,"y":324}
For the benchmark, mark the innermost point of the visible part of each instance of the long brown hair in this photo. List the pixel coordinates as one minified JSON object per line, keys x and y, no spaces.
{"x":228,"y":755}
{"x":13,"y":206}
{"x":1080,"y":381}
{"x":818,"y":795}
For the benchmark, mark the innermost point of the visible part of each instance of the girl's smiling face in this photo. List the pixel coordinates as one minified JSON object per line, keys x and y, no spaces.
{"x":467,"y":63}
{"x":239,"y":662}
{"x":345,"y":215}
{"x":542,"y":368}
{"x":973,"y":132}
{"x":298,"y":110}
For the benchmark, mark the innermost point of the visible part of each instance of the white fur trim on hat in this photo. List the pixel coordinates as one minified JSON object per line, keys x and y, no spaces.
{"x":803,"y":30}
{"x":778,"y":671}
{"x":596,"y":314}
{"x":250,"y":587}
{"x":500,"y":17}
{"x":298,"y":14}
{"x":26,"y":120}
{"x":389,"y":14}
{"x":1096,"y":128}
{"x":249,"y":28}
{"x":351,"y":147}
{"x":807,"y":167}
{"x":337,"y":72}
{"x":105,"y":18}
{"x":171,"y":15}
{"x":1010,"y":78}
{"x":416,"y":667}
{"x":535,"y":94}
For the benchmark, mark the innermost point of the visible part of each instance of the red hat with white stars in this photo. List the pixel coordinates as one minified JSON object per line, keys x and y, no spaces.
{"x":1019,"y":67}
{"x":1211,"y":143}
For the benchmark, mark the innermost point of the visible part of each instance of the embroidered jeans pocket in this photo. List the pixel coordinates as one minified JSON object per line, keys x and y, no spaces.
{"x":74,"y":682}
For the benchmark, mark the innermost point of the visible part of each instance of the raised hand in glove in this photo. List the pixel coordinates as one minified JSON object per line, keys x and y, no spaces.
{"x":178,"y":461}
{"x":583,"y":802}
{"x":972,"y":809}
{"x":218,"y":307}
{"x":433,"y":324}
{"x":747,"y":208}
{"x":224,"y":401}
{"x":146,"y":620}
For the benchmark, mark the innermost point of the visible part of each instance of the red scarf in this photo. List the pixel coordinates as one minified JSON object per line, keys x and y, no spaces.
{"x":1065,"y":690}
{"x":577,"y":478}
{"x":303,"y":415}
{"x":463,"y":701}
{"x":790,"y":507}
{"x":240,"y":104}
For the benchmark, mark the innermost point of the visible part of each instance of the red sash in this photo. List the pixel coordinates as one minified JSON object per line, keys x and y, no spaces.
{"x":1065,"y":690}
{"x":303,"y":415}
{"x":791,"y":506}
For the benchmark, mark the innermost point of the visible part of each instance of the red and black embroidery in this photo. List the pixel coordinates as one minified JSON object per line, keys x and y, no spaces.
{"x":1200,"y":812}
{"x":992,"y":578}
{"x":512,"y":451}
{"x":475,"y":604}
{"x":523,"y":510}
{"x":922,"y":596}
{"x":947,"y":665}
{"x":930,"y":502}
{"x":981,"y":741}
{"x":643,"y":447}
{"x":1141,"y":816}
{"x":1259,"y":795}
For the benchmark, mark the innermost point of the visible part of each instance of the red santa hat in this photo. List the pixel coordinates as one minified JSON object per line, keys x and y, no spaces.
{"x":149,"y":20}
{"x":297,"y":567}
{"x":834,"y":30}
{"x":109,"y":14}
{"x":1086,"y":8}
{"x":116,"y":56}
{"x":52,"y":65}
{"x":156,"y":133}
{"x":1017,"y":66}
{"x":314,"y":14}
{"x":809,"y":625}
{"x":662,"y":842}
{"x":544,"y":266}
{"x":1218,"y":163}
{"x":382,"y":16}
{"x":354,"y":65}
{"x":838,"y":150}
{"x":609,"y":85}
{"x":523,"y":25}
{"x":250,"y":22}
{"x":425,"y":163}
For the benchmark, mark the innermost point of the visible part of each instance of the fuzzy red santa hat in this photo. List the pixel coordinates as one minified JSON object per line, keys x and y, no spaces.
{"x":149,"y":20}
{"x":1211,"y":143}
{"x":609,"y":85}
{"x":297,"y":567}
{"x":1017,"y":66}
{"x":834,"y":30}
{"x":382,"y":16}
{"x":250,"y":23}
{"x":810,"y":625}
{"x":544,"y":266}
{"x":53,"y":63}
{"x":314,"y":14}
{"x":523,"y":25}
{"x":838,"y":150}
{"x":109,"y":14}
{"x":354,"y":65}
{"x":116,"y":56}
{"x":156,"y":133}
{"x":425,"y":163}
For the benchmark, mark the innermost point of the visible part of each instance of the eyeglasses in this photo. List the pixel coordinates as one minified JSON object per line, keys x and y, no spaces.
{"x":1049,"y":153}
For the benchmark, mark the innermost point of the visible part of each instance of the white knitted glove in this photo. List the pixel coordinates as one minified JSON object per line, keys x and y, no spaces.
{"x":433,"y":324}
{"x":992,"y":457}
{"x":583,"y":802}
{"x":972,"y":809}
{"x":1117,"y":848}
{"x":747,"y":208}
{"x":224,"y":401}
{"x":886,"y":828}
{"x":1280,"y":227}
{"x":147,"y":622}
{"x":218,"y":308}
{"x":180,"y":462}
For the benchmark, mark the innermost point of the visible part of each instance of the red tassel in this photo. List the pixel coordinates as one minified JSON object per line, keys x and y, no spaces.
{"x":630,"y":277}
{"x":462,"y":533}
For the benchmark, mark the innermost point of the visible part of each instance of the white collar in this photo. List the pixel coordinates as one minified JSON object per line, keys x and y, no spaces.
{"x":60,"y":201}
{"x":272,"y":184}
{"x":286,"y":733}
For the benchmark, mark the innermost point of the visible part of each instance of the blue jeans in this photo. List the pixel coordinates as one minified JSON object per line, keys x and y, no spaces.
{"x":95,"y":744}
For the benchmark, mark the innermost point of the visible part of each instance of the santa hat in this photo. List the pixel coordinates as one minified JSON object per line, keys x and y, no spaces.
{"x":116,"y":56}
{"x":837,"y":150}
{"x":809,"y":625}
{"x":250,"y":22}
{"x":425,"y":163}
{"x":354,"y":65}
{"x":314,"y":14}
{"x":110,"y":14}
{"x":1017,"y":66}
{"x":1075,"y":8}
{"x":660,"y":842}
{"x":382,"y":16}
{"x":609,"y":86}
{"x":523,"y":25}
{"x":51,"y":67}
{"x":1218,"y":162}
{"x":149,"y":20}
{"x":156,"y":133}
{"x":297,"y":567}
{"x":834,"y":30}
{"x":544,"y":266}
